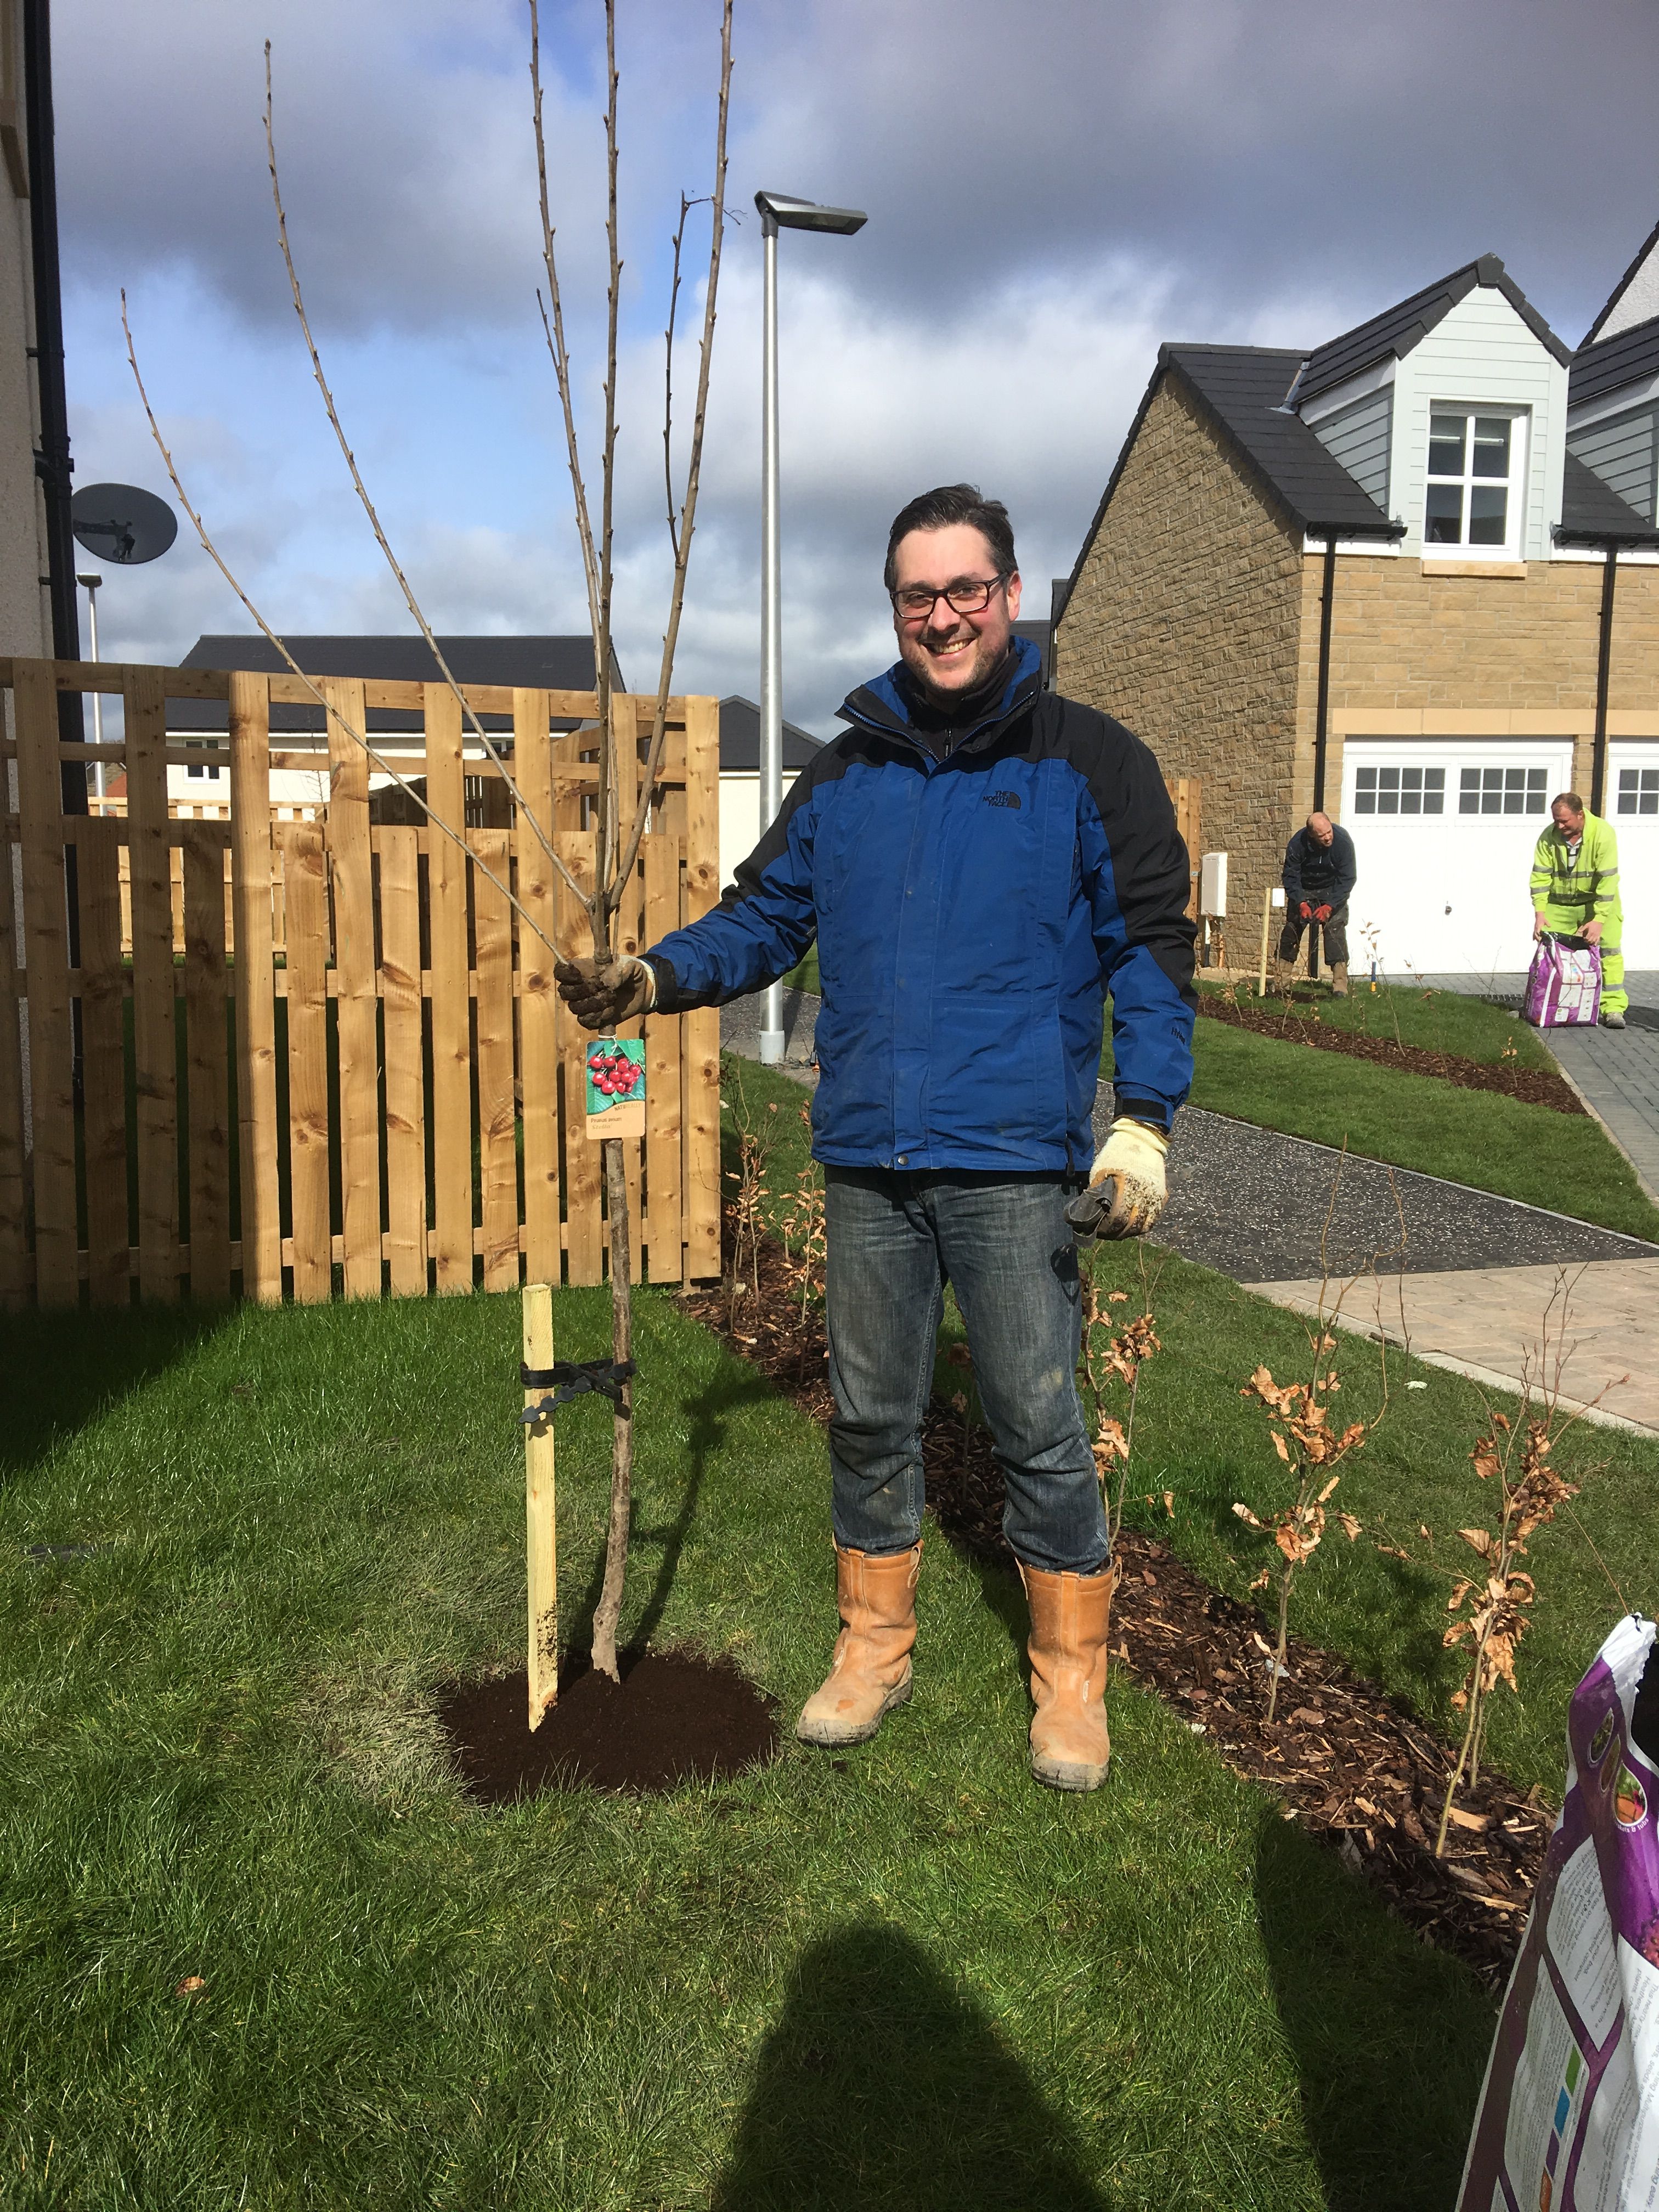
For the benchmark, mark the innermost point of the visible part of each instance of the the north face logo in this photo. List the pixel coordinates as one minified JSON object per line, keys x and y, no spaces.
{"x":1003,"y":799}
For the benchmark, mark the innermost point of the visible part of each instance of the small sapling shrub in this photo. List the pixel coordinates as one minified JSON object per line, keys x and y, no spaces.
{"x":1310,"y":1449}
{"x":1114,"y":1349}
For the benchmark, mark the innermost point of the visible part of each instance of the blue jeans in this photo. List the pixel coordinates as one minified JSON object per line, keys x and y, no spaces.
{"x":895,"y":1240}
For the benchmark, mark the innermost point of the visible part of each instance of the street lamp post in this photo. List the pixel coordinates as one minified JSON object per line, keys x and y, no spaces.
{"x":92,"y":584}
{"x":778,"y":212}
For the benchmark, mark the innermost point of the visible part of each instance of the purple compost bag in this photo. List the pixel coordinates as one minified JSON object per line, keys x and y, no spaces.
{"x":1569,"y":2116}
{"x":1564,"y":987}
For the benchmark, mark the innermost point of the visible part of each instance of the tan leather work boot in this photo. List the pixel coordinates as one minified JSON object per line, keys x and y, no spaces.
{"x":1071,"y":1619}
{"x":1339,"y":979}
{"x":871,"y":1671}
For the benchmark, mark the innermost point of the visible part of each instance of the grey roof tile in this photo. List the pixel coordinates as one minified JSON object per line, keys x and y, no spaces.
{"x":554,"y":663}
{"x":1399,"y":328}
{"x":1592,"y":513}
{"x":1599,"y":370}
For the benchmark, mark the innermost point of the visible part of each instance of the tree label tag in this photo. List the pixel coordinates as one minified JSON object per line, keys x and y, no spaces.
{"x":614,"y":1078}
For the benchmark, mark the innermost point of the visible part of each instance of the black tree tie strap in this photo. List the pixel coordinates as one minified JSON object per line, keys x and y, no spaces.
{"x":575,"y":1378}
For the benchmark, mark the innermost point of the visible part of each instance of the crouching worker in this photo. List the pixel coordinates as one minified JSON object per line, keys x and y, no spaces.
{"x":980,"y":862}
{"x":1575,"y":893}
{"x":1320,"y":874}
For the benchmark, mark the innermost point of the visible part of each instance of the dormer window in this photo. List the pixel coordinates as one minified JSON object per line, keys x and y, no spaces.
{"x":1473,"y":500}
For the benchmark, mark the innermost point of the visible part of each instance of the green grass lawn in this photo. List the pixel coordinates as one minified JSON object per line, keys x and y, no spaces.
{"x":803,"y":975}
{"x":1562,"y":1161}
{"x":904,"y":1977}
{"x":1437,"y":1021}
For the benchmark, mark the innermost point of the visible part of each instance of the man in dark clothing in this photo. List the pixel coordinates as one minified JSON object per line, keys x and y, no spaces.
{"x":1320,"y":872}
{"x":980,"y":862}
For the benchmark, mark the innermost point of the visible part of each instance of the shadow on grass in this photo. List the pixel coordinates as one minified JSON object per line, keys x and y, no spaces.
{"x":733,"y":1386}
{"x":1389,"y":2037}
{"x":881,"y":2084}
{"x":59,"y":1372}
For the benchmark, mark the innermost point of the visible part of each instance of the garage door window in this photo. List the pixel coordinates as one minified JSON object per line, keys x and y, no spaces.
{"x":1638,"y":790}
{"x":1399,"y":791}
{"x":1502,"y":790}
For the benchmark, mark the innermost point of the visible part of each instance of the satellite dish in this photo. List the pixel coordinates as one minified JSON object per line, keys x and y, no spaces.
{"x":120,"y":523}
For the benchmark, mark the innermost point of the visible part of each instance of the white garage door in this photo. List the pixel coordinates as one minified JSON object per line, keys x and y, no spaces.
{"x":1632,"y":804}
{"x":1444,"y":830}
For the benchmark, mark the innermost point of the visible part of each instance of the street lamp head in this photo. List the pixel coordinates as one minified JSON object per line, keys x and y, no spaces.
{"x":91,"y":582}
{"x":788,"y":213}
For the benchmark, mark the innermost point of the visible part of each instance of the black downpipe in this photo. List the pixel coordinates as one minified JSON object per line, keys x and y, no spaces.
{"x":1322,"y":713}
{"x":1603,"y":668}
{"x":52,"y":464}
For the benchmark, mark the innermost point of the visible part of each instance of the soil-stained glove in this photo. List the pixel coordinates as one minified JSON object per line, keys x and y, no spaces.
{"x":1127,"y":1188}
{"x":1305,"y":911}
{"x":1321,"y":913}
{"x":600,"y":992}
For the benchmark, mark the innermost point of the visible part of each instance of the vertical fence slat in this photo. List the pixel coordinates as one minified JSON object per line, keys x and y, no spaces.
{"x":405,"y":1075}
{"x":356,"y":1011}
{"x":452,"y":1044}
{"x":255,"y":986}
{"x":47,"y":980}
{"x":662,"y":1075}
{"x":14,"y":1252}
{"x":155,"y":983}
{"x":498,"y":1163}
{"x":538,"y":1061}
{"x":541,"y":1520}
{"x":629,"y":926}
{"x":584,"y":1228}
{"x":207,"y":1071}
{"x":701,"y":1030}
{"x":103,"y":1064}
{"x":305,"y":886}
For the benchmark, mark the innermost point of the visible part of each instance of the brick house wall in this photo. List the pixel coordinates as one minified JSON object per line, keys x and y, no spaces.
{"x":1185,"y":623}
{"x":1482,"y":653}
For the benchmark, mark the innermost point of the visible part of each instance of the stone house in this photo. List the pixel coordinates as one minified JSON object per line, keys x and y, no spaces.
{"x":1411,"y":576}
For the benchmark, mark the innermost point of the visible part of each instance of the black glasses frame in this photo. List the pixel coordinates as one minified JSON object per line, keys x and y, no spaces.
{"x":967,"y":596}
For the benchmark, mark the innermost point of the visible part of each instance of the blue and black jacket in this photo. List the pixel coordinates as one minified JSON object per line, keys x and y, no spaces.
{"x":974,"y":893}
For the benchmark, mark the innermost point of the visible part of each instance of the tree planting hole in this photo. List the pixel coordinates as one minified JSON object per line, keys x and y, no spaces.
{"x":675,"y":1717}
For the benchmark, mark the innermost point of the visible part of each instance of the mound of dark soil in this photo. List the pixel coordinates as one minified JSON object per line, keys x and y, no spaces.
{"x":1537,"y":1087}
{"x":675,"y":1717}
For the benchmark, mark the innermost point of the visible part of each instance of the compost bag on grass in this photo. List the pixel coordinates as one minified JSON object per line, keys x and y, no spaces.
{"x":1569,"y":2116}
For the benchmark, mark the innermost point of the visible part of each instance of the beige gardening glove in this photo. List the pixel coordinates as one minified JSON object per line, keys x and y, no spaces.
{"x":601,"y":993}
{"x":1127,"y":1188}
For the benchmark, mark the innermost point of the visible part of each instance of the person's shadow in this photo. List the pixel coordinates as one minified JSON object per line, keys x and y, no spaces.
{"x":882,"y":2086}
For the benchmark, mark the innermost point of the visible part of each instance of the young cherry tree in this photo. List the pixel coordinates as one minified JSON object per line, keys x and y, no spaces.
{"x":616,"y":839}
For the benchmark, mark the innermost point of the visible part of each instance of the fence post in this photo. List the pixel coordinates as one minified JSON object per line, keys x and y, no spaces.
{"x":255,"y":986}
{"x":356,"y":1010}
{"x":701,"y":1031}
{"x":155,"y":983}
{"x":538,"y":1051}
{"x":14,"y":1252}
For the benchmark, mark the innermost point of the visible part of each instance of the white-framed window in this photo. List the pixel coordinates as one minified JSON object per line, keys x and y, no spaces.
{"x":193,"y":744}
{"x":1399,"y":791}
{"x":1474,"y":497}
{"x":1502,"y":791}
{"x":1638,"y":791}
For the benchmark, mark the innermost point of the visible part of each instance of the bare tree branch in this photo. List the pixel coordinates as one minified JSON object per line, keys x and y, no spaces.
{"x":392,"y":562}
{"x":607,"y":891}
{"x":686,"y":207}
{"x":556,"y":344}
{"x":455,"y":836}
{"x":694,"y":472}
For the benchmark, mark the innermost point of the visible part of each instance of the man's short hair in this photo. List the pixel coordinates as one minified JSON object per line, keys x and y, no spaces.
{"x":1567,"y":799}
{"x":941,"y":509}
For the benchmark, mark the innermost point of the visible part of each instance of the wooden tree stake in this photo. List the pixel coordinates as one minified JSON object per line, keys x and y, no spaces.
{"x":541,"y":1533}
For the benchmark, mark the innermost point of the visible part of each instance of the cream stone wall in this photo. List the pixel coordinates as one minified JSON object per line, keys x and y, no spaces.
{"x":1184,"y":624}
{"x":1433,"y":651}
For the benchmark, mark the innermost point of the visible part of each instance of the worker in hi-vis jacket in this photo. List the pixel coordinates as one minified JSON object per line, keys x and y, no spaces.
{"x":1574,"y":892}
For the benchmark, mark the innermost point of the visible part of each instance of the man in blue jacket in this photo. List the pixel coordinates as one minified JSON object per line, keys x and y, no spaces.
{"x":980,"y":862}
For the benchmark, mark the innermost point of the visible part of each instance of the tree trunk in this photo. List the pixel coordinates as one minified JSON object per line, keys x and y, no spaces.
{"x":609,"y":1610}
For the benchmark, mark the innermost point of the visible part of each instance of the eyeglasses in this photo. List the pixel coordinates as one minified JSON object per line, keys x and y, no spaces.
{"x":969,"y":595}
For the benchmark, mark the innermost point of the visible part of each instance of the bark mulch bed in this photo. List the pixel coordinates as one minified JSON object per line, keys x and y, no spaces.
{"x":1537,"y":1087}
{"x":1348,"y":1762}
{"x":676,"y":1715}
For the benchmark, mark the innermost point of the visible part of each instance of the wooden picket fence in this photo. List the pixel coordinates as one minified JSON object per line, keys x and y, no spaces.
{"x":353,"y":1075}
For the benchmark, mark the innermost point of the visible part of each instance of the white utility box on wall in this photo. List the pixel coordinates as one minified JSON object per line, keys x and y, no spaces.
{"x":1213,"y":886}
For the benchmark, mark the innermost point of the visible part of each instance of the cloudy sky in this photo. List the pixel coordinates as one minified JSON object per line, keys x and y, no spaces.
{"x":1053,"y":186}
